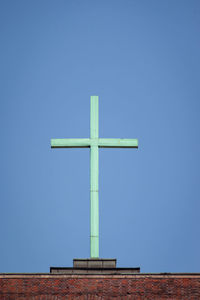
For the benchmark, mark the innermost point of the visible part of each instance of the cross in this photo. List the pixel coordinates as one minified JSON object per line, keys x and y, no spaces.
{"x":94,"y":143}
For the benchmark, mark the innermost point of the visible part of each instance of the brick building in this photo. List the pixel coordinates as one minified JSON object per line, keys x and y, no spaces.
{"x":99,"y":280}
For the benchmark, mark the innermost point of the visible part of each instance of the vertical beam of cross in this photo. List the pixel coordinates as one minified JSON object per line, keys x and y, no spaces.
{"x":94,"y":177}
{"x":94,"y":143}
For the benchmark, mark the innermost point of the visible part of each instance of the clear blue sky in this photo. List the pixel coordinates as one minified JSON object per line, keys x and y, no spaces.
{"x":142,"y":59}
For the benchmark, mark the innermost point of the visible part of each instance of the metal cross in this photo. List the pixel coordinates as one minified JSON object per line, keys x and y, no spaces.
{"x":94,"y":143}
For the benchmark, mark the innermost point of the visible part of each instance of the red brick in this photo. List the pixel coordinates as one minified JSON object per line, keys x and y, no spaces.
{"x":70,"y":287}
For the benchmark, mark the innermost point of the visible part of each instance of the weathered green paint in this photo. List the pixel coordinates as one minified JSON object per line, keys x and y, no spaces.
{"x":94,"y":177}
{"x":70,"y":143}
{"x":94,"y":143}
{"x":94,"y":201}
{"x":118,"y":143}
{"x":94,"y":117}
{"x":101,"y":143}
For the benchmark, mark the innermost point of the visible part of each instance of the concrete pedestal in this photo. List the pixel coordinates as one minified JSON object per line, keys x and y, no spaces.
{"x":103,"y":266}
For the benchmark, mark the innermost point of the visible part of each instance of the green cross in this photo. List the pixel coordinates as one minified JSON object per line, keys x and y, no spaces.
{"x":94,"y":143}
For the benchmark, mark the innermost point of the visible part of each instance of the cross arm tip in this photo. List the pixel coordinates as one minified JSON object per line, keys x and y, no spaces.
{"x":136,"y":143}
{"x":52,"y":143}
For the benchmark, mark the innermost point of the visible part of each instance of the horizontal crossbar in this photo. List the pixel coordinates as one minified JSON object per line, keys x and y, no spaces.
{"x":70,"y":143}
{"x":102,"y":143}
{"x":118,"y":143}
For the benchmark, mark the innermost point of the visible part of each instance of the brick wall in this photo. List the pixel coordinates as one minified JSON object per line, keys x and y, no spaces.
{"x":92,"y":287}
